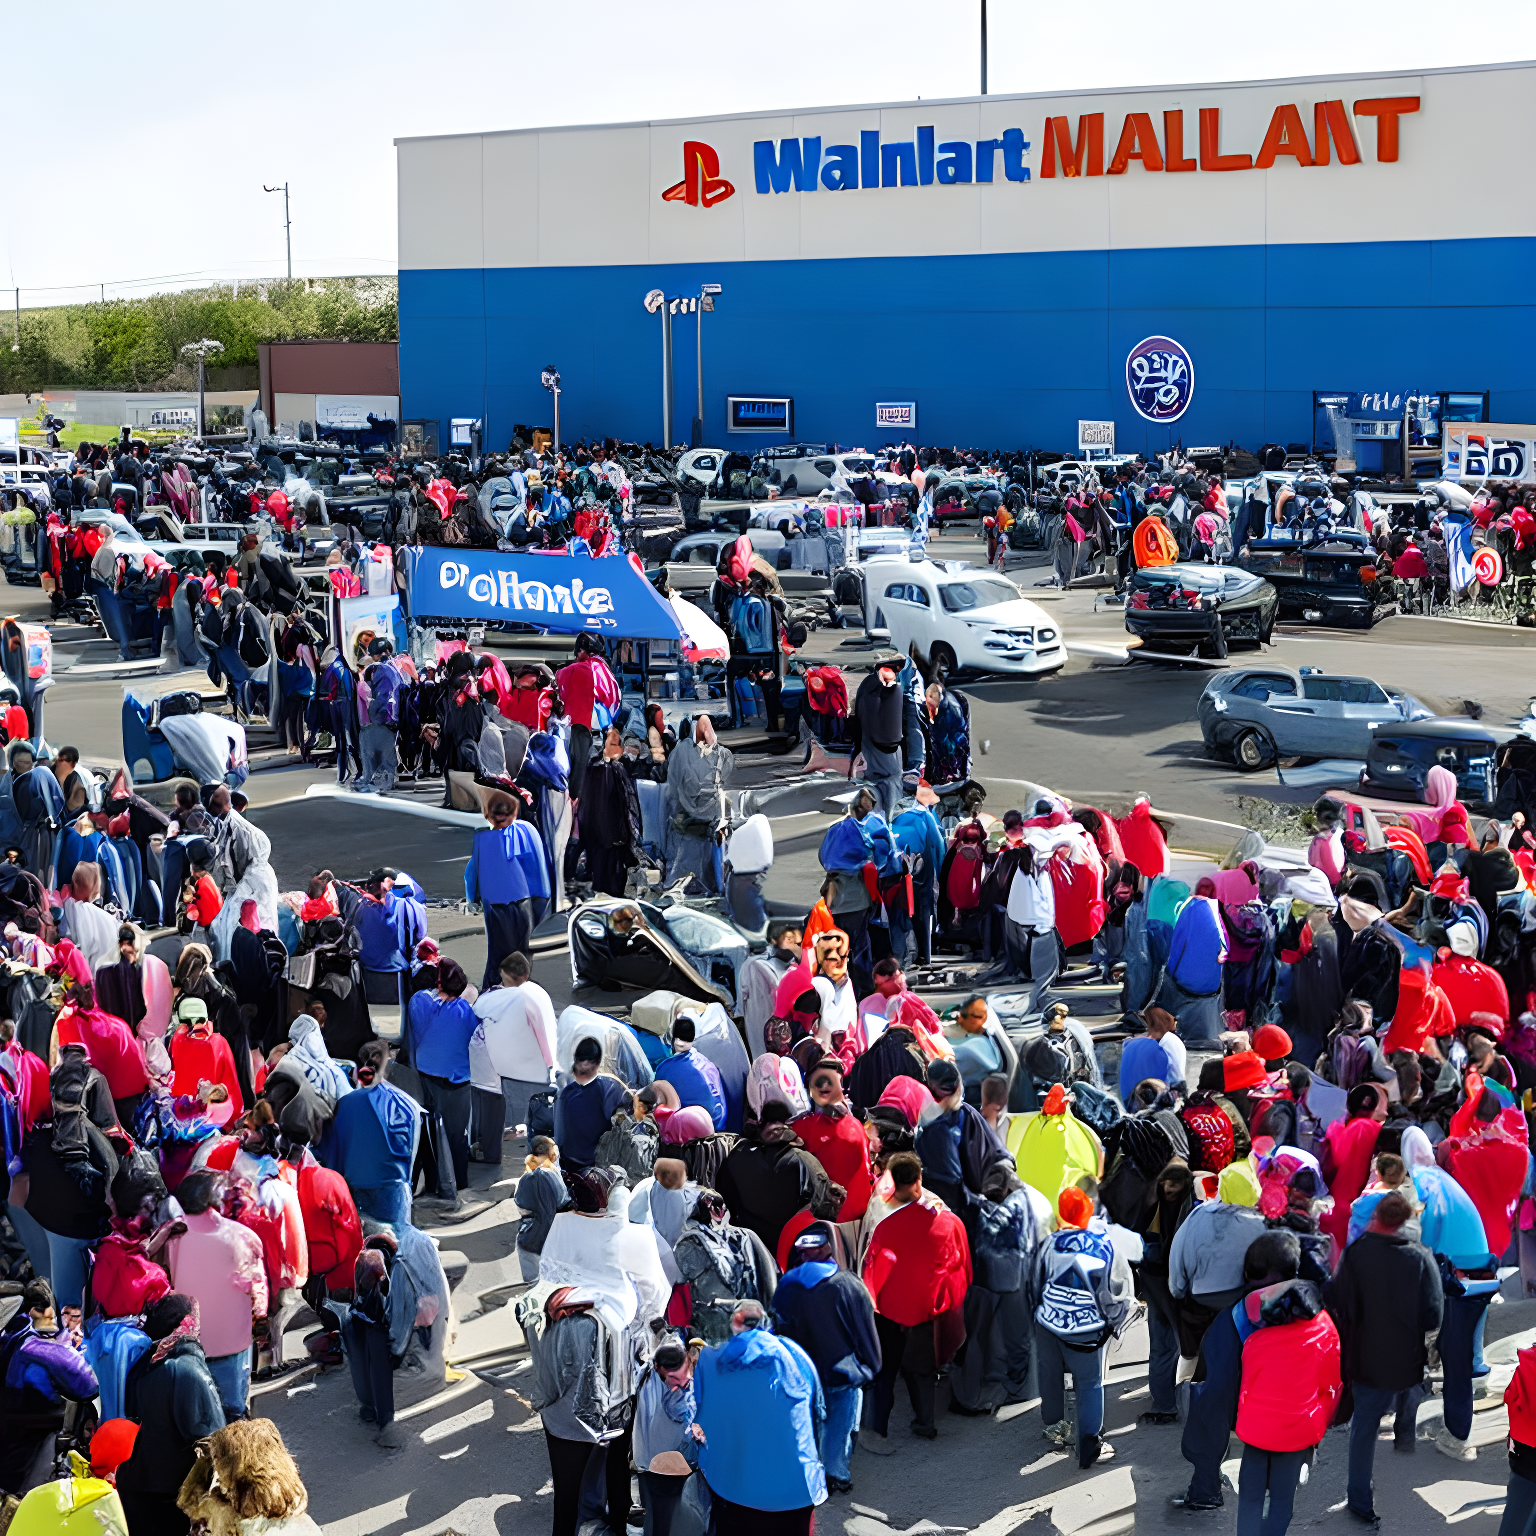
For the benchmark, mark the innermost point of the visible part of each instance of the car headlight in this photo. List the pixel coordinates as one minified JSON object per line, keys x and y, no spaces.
{"x":1046,"y":636}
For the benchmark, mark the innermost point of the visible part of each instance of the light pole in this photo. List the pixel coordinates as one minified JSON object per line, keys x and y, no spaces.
{"x":202,"y":351}
{"x":706,"y":301}
{"x":550,"y":379}
{"x":983,"y":47}
{"x":288,"y":223}
{"x":656,"y":304}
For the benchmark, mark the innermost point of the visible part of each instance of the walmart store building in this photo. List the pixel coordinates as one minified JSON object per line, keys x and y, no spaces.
{"x":1194,"y":263}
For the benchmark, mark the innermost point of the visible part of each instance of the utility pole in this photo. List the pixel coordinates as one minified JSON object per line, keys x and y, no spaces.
{"x":202,"y":350}
{"x":288,"y":223}
{"x":983,"y":47}
{"x":16,"y":343}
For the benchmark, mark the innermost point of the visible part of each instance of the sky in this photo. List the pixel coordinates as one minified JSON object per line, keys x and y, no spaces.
{"x":161,"y":133}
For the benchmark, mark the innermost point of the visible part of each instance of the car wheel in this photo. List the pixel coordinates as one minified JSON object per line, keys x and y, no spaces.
{"x":1217,"y":645}
{"x":941,"y":661}
{"x":1252,"y":751}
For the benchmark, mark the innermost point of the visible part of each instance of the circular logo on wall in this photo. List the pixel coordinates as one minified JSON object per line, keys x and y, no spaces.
{"x":1160,"y":377}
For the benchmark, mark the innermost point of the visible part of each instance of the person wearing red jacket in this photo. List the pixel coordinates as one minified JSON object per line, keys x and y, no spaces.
{"x":918,"y":1270}
{"x":199,"y":1054}
{"x":835,"y":1137}
{"x":332,"y":1228}
{"x":1290,"y":1387}
{"x":1520,"y":1493}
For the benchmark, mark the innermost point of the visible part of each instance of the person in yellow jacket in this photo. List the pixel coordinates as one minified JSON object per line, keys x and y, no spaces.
{"x":1054,"y":1148}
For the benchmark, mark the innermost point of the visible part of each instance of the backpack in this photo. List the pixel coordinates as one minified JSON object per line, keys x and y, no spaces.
{"x":752,"y":620}
{"x":1349,"y":1060}
{"x":967,"y":868}
{"x":1211,"y":1142}
{"x":541,"y":1114}
{"x":998,"y":1242}
{"x":630,"y":1145}
{"x":1069,"y":1306}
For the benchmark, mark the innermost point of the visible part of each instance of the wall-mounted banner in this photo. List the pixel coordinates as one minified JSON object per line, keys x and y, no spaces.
{"x":1160,"y":376}
{"x":1099,"y":435}
{"x":896,"y":415}
{"x":563,"y":594}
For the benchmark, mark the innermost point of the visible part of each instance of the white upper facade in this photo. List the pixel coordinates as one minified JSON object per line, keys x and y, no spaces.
{"x":594,"y":196}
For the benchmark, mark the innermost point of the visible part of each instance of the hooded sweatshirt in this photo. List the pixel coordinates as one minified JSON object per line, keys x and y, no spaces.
{"x":1449,"y":1223}
{"x":1199,"y":947}
{"x":760,"y":1405}
{"x":828,"y":1313}
{"x":1208,"y":1252}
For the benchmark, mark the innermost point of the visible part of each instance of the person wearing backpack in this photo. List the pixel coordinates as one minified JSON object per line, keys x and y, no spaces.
{"x":632,"y":1139}
{"x":1205,"y":1263}
{"x":1086,"y":1298}
{"x":589,"y":694}
{"x":1346,"y":1156}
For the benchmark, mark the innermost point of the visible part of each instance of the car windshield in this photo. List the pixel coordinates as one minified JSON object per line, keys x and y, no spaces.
{"x":984,"y":592}
{"x":859,"y":466}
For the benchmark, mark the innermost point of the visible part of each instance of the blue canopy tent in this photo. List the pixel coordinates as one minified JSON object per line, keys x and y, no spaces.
{"x":559,"y":593}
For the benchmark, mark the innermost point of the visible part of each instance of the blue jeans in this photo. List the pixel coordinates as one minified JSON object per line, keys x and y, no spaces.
{"x":1479,"y":1366}
{"x":1519,"y":1507}
{"x":1457,"y":1330}
{"x":33,"y":1239}
{"x":1087,"y":1367}
{"x":1163,"y":1361}
{"x":1276,"y":1472}
{"x":66,"y":1261}
{"x":1372,"y":1404}
{"x":843,"y":1405}
{"x":232,"y":1376}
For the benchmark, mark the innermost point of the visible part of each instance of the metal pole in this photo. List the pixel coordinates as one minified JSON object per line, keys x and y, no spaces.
{"x":288,"y":223}
{"x":666,"y":374}
{"x":983,"y":47}
{"x":699,"y":342}
{"x":556,"y":393}
{"x":202,"y":409}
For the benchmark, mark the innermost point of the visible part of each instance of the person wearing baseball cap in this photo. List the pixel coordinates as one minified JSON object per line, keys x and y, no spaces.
{"x":827,"y":1312}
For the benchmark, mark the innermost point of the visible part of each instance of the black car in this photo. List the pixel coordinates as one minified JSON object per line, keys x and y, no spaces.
{"x":1200,"y":607}
{"x":1332,"y":580}
{"x":1401,"y":756}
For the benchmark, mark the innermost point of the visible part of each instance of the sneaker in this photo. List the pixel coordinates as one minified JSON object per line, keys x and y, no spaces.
{"x":1193,"y":1506}
{"x":1157,"y":1416}
{"x":839,"y":1484}
{"x":925,"y":1431}
{"x":1367,"y":1517}
{"x":876,"y":1444}
{"x":1458,"y":1450}
{"x":1094,"y":1452}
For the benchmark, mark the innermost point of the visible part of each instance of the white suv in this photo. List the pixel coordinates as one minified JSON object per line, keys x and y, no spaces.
{"x":960,"y":616}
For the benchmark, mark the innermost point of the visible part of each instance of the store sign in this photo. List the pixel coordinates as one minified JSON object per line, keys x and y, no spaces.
{"x":896,"y":415}
{"x":1477,"y":456}
{"x":1160,"y":377}
{"x":1091,"y":147}
{"x":174,"y":418}
{"x":1096,"y":435}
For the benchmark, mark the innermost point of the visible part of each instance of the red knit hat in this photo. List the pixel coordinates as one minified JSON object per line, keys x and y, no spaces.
{"x":1245,"y":1069}
{"x":1271,"y":1043}
{"x":1074,"y":1207}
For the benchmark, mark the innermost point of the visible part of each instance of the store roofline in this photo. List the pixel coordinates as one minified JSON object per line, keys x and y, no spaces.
{"x":966,"y":101}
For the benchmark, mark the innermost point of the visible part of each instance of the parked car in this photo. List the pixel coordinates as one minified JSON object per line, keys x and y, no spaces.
{"x":960,"y":616}
{"x":1199,"y":607}
{"x":1400,"y":758}
{"x":1334,"y":579}
{"x":1256,"y":715}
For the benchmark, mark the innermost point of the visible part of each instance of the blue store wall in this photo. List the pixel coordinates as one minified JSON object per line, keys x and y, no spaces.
{"x":1007,"y":350}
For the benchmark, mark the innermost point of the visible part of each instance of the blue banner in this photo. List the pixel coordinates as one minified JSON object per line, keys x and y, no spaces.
{"x":564,"y":594}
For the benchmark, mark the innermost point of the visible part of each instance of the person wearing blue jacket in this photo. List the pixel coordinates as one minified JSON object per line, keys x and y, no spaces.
{"x":828,"y":1312}
{"x":1272,"y":1257}
{"x":507,"y":874}
{"x":917,"y":835}
{"x":441,"y":1022}
{"x":760,"y":1407}
{"x":694,"y":1075}
{"x":375,"y":1136}
{"x":1191,"y":989}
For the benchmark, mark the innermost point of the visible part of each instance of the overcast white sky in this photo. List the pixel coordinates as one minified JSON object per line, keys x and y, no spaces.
{"x":140,"y":138}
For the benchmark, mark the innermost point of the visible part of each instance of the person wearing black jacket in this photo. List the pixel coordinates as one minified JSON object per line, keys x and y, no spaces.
{"x":172,"y":1398}
{"x":1384,"y":1297}
{"x":1272,"y":1257}
{"x":610,"y":819}
{"x":828,"y":1312}
{"x":770,"y":1176}
{"x":876,"y":727}
{"x":895,"y":1054}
